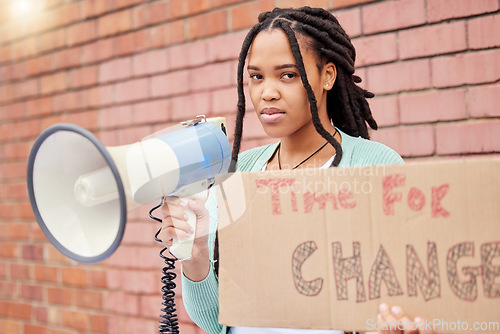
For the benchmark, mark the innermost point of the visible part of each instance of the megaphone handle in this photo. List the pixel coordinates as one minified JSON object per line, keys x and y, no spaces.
{"x":182,"y":249}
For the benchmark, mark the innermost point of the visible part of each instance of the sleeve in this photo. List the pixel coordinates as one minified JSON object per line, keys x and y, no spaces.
{"x":201,"y":299}
{"x":374,"y":153}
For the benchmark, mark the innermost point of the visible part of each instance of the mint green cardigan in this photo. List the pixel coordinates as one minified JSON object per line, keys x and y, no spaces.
{"x":201,"y":299}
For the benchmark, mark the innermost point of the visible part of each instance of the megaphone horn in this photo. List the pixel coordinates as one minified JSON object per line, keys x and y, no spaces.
{"x":80,"y":191}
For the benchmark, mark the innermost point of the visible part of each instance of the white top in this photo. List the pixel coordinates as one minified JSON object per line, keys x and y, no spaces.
{"x":264,"y":330}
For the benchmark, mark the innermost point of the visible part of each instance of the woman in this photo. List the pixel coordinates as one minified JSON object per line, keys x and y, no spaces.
{"x":303,"y":88}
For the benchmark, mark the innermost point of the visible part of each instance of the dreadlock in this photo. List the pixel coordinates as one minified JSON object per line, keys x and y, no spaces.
{"x":347,"y":106}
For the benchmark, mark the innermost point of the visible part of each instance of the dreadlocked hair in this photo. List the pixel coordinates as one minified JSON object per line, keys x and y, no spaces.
{"x":347,"y":106}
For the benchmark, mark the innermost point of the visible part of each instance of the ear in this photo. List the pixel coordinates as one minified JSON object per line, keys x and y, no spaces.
{"x":329,"y":75}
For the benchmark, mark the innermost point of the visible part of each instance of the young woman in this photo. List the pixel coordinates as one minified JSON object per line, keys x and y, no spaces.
{"x":300,"y":65}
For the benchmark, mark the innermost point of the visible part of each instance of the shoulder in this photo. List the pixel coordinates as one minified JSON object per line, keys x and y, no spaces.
{"x":255,"y":158}
{"x":358,"y":151}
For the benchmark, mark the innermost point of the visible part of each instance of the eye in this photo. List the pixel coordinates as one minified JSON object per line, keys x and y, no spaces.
{"x":289,"y":76}
{"x":255,"y":76}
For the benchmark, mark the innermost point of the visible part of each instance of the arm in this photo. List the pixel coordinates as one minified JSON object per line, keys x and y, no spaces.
{"x":200,"y":286}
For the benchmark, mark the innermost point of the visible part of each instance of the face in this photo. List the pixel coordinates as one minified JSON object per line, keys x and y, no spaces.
{"x":276,"y":89}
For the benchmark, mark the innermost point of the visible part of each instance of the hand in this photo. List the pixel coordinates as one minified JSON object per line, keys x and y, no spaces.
{"x":175,"y":226}
{"x":395,"y":320}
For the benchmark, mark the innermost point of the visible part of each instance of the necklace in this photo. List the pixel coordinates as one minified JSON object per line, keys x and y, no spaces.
{"x":309,"y":157}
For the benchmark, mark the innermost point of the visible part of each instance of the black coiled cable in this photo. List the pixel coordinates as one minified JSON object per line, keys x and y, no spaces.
{"x":169,"y":322}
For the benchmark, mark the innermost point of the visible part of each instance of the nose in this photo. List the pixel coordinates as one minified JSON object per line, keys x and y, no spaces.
{"x":270,"y":91}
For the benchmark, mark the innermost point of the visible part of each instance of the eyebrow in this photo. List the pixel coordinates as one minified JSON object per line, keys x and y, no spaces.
{"x":276,"y":68}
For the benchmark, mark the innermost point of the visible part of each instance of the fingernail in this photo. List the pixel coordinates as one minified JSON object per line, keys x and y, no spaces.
{"x":185,"y":217}
{"x":418,"y":319}
{"x":182,"y":204}
{"x":383,"y":307}
{"x":396,"y":310}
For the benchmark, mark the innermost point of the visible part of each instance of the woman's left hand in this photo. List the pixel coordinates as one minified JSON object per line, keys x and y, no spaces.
{"x":395,"y":320}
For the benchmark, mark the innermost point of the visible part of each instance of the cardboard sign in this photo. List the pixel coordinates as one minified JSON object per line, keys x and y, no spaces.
{"x":321,"y":249}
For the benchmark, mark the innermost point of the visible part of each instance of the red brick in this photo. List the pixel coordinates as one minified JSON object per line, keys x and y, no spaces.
{"x":41,"y":106}
{"x":393,"y":15}
{"x":81,"y":32}
{"x":17,"y":231}
{"x":25,"y":48}
{"x":480,"y":32}
{"x":132,"y":42}
{"x":188,"y":55}
{"x":11,"y":326}
{"x":92,"y":8}
{"x":53,"y":83}
{"x":51,"y":40}
{"x":36,"y":66}
{"x":225,"y":47}
{"x":466,"y":68}
{"x":32,"y":292}
{"x":167,"y":34}
{"x":439,"y":10}
{"x":149,"y":13}
{"x":87,"y":119}
{"x":221,"y":3}
{"x":33,"y":252}
{"x":75,"y":319}
{"x":20,"y":271}
{"x":98,"y":279}
{"x":219,"y":75}
{"x":26,"y":88}
{"x":350,"y":20}
{"x":375,"y":49}
{"x":484,"y":101}
{"x":432,"y":40}
{"x":209,"y":24}
{"x":151,"y":112}
{"x":60,"y":296}
{"x":385,"y":110}
{"x":65,"y":15}
{"x":141,"y":281}
{"x":115,"y":69}
{"x":224,"y":101}
{"x":136,"y":325}
{"x":470,"y":137}
{"x":123,"y":303}
{"x":346,"y":3}
{"x":15,"y":310}
{"x":67,"y":58}
{"x":101,"y":50}
{"x":75,"y":277}
{"x":14,"y":111}
{"x":185,"y":8}
{"x":99,"y":323}
{"x":101,"y":95}
{"x":83,"y":76}
{"x":67,"y":101}
{"x":132,"y":90}
{"x":433,"y":106}
{"x":89,"y":299}
{"x":246,"y":14}
{"x":150,"y":62}
{"x":114,"y":23}
{"x":46,"y":274}
{"x":411,"y":141}
{"x":311,"y":3}
{"x":188,"y":106}
{"x":397,"y":77}
{"x":125,"y":3}
{"x":174,"y":83}
{"x":34,"y":329}
{"x":116,"y":116}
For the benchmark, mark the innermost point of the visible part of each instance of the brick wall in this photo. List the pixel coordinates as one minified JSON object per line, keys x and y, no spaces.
{"x":126,"y":68}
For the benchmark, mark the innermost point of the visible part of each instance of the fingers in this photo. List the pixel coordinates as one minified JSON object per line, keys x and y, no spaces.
{"x":395,"y":320}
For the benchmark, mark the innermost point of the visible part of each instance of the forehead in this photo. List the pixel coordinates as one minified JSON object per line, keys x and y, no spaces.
{"x":273,"y":46}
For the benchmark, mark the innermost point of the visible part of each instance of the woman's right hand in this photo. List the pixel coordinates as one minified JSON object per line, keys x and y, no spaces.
{"x":175,"y":226}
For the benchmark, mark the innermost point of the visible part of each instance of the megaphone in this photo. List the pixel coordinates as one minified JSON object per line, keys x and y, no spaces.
{"x":80,"y":191}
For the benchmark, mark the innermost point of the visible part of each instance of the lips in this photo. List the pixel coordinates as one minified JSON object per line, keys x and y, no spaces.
{"x":271,"y":115}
